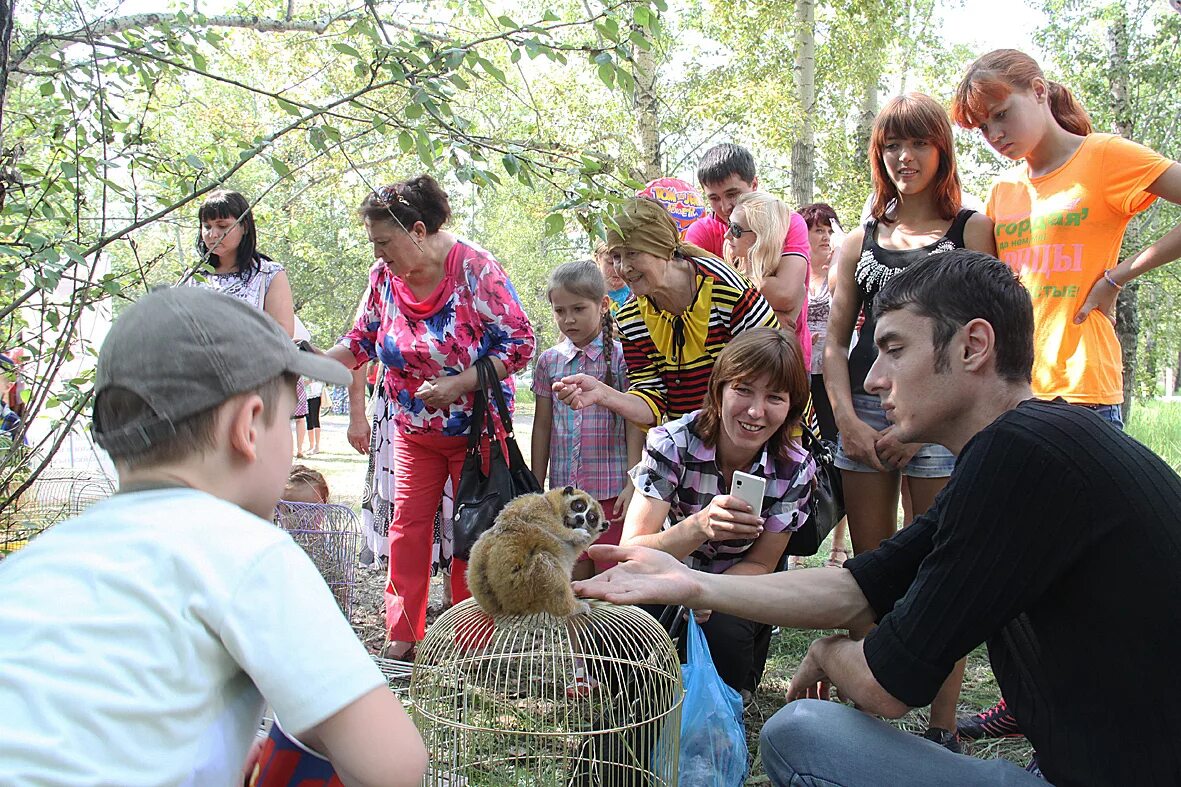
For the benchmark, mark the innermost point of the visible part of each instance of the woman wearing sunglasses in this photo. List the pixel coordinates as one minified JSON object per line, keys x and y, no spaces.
{"x":754,"y":244}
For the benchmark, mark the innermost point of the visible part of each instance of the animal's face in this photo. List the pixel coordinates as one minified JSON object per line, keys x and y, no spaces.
{"x":582,"y":511}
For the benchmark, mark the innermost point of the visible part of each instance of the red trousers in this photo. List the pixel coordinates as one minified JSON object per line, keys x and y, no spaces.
{"x":422,"y":464}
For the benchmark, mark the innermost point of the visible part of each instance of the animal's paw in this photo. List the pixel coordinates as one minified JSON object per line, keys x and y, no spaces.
{"x":581,"y":608}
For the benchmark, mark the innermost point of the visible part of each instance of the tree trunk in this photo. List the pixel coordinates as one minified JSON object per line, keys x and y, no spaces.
{"x":7,"y":12}
{"x":869,"y":110}
{"x":647,"y":117}
{"x":803,"y":150}
{"x":1127,"y":313}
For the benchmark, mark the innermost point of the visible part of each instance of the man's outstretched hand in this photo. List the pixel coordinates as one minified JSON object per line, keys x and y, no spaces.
{"x":643,"y":576}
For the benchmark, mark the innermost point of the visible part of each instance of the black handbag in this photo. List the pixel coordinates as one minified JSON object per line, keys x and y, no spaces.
{"x":481,"y":495}
{"x":827,"y":503}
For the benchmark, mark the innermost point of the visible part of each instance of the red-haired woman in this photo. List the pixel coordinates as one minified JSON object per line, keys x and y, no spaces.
{"x":1060,"y":220}
{"x":916,"y":212}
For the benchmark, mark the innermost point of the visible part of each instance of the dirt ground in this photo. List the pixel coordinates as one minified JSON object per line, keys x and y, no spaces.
{"x":368,"y":613}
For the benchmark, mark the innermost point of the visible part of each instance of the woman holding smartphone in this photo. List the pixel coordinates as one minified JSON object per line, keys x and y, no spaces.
{"x":757,"y":393}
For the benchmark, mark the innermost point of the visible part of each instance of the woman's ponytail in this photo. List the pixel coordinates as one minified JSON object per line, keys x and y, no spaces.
{"x":1067,"y":110}
{"x":993,"y":76}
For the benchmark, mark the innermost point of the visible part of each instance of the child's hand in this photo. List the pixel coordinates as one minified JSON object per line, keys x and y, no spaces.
{"x":580,"y":390}
{"x":623,"y":500}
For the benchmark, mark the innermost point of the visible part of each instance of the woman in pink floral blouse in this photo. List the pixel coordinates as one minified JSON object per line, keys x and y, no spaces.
{"x":447,"y":303}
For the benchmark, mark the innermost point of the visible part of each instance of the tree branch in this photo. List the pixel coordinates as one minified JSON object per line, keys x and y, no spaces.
{"x":260,"y":24}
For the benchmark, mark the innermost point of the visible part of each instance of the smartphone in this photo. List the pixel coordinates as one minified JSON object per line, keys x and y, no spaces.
{"x":749,"y":488}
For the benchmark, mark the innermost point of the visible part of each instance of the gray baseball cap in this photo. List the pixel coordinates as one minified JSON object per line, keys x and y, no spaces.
{"x":188,"y":349}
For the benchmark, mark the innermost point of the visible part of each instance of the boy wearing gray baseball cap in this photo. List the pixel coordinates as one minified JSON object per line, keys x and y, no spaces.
{"x":139,"y":640}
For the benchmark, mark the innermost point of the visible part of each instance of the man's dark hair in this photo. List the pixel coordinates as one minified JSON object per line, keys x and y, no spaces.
{"x":722,"y":161}
{"x":958,"y":286}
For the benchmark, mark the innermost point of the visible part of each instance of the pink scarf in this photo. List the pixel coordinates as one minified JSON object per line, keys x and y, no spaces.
{"x":420,"y":310}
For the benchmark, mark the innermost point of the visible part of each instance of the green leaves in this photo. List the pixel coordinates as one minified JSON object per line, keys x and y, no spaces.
{"x":279,"y":166}
{"x":514,"y":114}
{"x":288,"y":107}
{"x":345,"y":49}
{"x":491,"y":69}
{"x":554,"y":224}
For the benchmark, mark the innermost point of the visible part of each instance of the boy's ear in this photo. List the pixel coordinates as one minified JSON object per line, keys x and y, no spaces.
{"x":979,"y":344}
{"x":243,"y":416}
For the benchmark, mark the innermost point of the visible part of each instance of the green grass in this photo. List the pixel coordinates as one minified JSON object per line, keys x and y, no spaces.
{"x":788,"y":648}
{"x":1157,"y":424}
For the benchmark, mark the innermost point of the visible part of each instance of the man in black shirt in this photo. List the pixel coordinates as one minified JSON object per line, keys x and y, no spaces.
{"x":1036,"y":547}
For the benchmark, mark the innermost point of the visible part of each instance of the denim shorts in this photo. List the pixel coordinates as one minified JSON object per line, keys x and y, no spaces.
{"x":932,"y":461}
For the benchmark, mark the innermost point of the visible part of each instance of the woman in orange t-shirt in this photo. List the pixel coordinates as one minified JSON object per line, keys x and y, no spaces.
{"x":1060,"y":218}
{"x":1059,"y":221}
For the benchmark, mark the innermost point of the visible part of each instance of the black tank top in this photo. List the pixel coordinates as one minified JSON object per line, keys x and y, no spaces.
{"x":876,"y":267}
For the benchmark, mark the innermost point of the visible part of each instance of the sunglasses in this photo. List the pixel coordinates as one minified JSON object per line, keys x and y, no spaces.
{"x":735,"y":231}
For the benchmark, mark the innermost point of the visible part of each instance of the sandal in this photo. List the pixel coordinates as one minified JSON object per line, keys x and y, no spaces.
{"x":832,"y":561}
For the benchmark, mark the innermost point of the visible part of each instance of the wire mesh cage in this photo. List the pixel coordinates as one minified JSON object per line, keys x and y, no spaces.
{"x":588,"y":701}
{"x":331,"y":537}
{"x":55,"y":495}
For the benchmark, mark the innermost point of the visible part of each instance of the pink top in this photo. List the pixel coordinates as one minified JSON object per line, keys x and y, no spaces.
{"x":709,"y":232}
{"x":588,"y":447}
{"x":473,"y":312}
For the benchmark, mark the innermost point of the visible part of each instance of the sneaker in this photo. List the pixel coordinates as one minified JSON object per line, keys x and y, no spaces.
{"x":945,"y":738}
{"x":1034,"y":768}
{"x":996,"y":722}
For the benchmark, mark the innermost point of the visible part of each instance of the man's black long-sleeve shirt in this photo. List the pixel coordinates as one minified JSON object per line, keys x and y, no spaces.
{"x":1058,"y":541}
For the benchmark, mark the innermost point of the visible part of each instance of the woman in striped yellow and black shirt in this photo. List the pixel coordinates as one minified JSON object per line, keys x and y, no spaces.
{"x":686,"y":305}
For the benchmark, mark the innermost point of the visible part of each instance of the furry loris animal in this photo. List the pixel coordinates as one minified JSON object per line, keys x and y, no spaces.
{"x":522,"y":564}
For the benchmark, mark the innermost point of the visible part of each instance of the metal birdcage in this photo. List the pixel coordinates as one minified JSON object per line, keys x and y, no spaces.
{"x":588,"y":701}
{"x":55,"y":495}
{"x":331,"y":537}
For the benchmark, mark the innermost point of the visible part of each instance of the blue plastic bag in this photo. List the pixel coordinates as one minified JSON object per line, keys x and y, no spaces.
{"x":713,"y":740}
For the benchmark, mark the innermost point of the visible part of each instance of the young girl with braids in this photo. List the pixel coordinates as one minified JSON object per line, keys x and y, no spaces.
{"x":584,"y":448}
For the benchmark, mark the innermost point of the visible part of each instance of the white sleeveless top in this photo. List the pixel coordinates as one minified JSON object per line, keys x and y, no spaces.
{"x":252,"y":290}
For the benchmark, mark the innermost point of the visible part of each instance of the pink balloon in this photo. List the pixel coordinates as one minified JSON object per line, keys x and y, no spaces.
{"x":681,"y":200}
